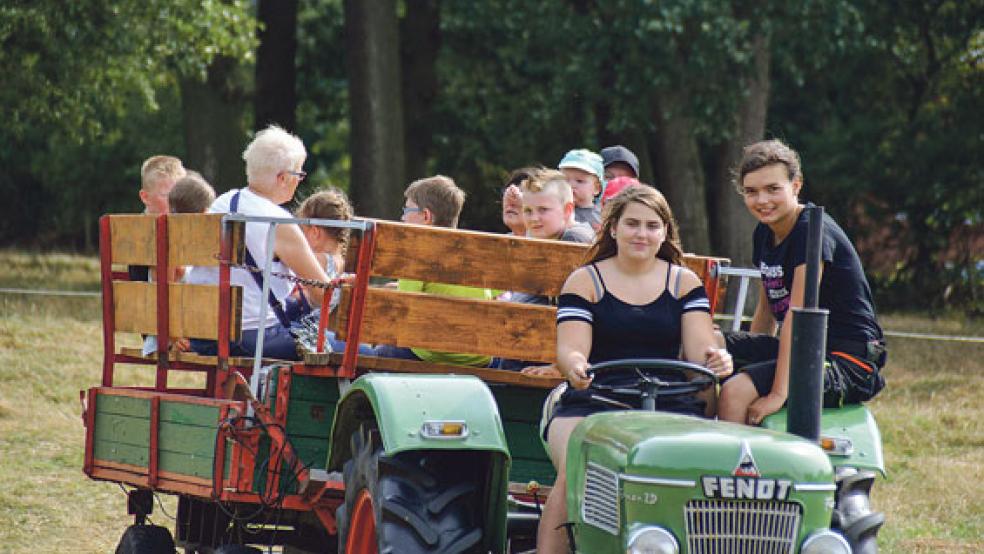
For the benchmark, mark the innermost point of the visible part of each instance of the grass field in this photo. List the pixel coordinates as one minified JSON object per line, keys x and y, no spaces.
{"x":930,"y":415}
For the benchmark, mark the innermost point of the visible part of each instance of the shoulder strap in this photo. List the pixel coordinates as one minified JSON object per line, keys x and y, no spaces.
{"x":676,"y":284}
{"x":599,"y":283}
{"x":275,"y":305}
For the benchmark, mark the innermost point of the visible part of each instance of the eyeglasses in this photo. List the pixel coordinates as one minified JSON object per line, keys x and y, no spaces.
{"x":299,"y":174}
{"x":408,"y":210}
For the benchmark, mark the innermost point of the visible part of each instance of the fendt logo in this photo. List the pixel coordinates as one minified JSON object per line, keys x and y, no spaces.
{"x":746,"y":482}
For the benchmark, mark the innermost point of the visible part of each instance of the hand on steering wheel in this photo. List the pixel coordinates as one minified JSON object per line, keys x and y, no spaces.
{"x":578,"y":377}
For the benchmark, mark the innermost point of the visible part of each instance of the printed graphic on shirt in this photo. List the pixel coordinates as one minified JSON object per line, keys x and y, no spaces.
{"x":773,"y":279}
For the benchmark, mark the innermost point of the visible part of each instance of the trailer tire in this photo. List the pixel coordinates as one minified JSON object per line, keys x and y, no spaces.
{"x":146,"y":539}
{"x":237,"y":549}
{"x":412,"y":502}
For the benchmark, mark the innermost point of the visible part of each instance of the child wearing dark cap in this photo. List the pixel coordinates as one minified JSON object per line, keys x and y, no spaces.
{"x":619,"y":161}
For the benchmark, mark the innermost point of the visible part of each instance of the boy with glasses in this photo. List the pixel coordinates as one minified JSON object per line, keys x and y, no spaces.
{"x":435,"y":201}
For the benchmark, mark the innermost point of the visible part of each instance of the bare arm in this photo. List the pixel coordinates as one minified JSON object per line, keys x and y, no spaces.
{"x":763,"y":321}
{"x":780,"y":385}
{"x":699,"y":344}
{"x":574,"y":337}
{"x":294,"y":251}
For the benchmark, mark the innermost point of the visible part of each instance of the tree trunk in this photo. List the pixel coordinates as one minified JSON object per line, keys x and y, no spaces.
{"x":420,"y":41}
{"x":631,"y":137}
{"x":733,"y":225}
{"x":276,"y":95}
{"x":677,"y":168}
{"x":214,"y":124}
{"x":375,"y":112}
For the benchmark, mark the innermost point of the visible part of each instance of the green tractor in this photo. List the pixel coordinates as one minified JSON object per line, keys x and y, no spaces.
{"x":651,"y":482}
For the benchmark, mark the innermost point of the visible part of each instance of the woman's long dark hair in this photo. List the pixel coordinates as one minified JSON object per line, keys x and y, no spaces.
{"x":604,"y":245}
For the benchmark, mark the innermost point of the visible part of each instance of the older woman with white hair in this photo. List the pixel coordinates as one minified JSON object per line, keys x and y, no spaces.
{"x":273,"y":170}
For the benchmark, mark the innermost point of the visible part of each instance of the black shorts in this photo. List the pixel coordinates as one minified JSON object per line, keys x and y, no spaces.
{"x":582,"y":403}
{"x":847,"y":378}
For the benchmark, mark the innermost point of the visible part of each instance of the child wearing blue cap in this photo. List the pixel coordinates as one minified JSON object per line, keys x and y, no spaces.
{"x":585,"y":172}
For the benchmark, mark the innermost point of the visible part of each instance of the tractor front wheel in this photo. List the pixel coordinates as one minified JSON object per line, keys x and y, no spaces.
{"x":413,"y":502}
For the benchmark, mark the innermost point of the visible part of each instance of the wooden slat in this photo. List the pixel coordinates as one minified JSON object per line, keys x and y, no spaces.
{"x":372,"y":363}
{"x":133,"y":239}
{"x":193,"y":239}
{"x":194,"y":309}
{"x":478,"y":259}
{"x":473,"y":258}
{"x":193,"y":358}
{"x":503,"y":329}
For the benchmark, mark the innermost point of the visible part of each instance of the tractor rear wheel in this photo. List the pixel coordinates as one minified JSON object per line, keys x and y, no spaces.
{"x":413,"y":502}
{"x":146,"y":539}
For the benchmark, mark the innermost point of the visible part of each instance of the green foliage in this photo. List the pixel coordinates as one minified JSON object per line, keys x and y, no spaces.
{"x":89,"y":92}
{"x":882,"y":99}
{"x":322,"y":108}
{"x":892,"y":125}
{"x":67,"y":63}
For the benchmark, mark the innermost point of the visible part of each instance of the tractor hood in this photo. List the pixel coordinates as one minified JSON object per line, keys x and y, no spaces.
{"x":650,"y":445}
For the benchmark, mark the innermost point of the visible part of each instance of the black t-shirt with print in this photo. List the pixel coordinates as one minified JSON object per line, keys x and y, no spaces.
{"x":844,"y":290}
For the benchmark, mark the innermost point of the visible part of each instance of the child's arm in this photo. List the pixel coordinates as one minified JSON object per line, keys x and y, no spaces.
{"x":295,"y":252}
{"x":771,"y":402}
{"x":762,"y":319}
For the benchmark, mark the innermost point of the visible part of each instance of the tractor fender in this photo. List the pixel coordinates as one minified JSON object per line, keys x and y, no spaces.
{"x":400,"y":404}
{"x":853,"y":422}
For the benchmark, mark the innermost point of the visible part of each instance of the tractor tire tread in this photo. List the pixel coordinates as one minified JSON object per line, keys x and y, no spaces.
{"x":420,"y":506}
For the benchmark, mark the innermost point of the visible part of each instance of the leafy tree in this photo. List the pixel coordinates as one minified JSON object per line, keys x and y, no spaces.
{"x":90,"y":89}
{"x":890,"y":138}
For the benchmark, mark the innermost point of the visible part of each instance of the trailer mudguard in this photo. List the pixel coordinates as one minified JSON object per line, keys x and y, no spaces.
{"x":400,"y":404}
{"x":853,"y":422}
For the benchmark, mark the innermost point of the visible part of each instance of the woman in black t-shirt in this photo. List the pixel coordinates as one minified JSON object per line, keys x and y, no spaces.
{"x":633,"y":300}
{"x":770,"y":179}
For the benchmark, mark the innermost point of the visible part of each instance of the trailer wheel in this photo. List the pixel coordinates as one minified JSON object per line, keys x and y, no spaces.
{"x":146,"y":539}
{"x":237,"y":549}
{"x":413,"y":502}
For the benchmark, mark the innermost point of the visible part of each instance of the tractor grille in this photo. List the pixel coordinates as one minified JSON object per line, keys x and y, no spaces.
{"x":600,"y":505}
{"x":737,"y":527}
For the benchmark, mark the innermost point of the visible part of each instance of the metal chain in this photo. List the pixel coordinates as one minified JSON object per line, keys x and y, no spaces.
{"x":290,"y":277}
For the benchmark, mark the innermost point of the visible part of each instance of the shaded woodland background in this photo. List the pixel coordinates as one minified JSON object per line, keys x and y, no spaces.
{"x":883,"y":99}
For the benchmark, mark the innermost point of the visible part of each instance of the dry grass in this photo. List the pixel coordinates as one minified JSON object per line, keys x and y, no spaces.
{"x":930,"y":417}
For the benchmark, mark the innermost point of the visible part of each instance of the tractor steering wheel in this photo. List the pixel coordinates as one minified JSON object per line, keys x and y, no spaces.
{"x":649,"y":387}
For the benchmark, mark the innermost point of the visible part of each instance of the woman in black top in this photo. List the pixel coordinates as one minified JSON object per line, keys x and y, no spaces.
{"x":770,"y":179}
{"x":633,"y":300}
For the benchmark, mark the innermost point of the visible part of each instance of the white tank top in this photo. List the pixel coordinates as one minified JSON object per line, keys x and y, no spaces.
{"x":256,"y":240}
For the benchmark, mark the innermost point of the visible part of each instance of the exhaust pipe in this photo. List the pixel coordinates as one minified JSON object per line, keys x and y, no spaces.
{"x":809,"y":342}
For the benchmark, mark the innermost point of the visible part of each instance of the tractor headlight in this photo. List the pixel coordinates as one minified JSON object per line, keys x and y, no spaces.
{"x":825,"y":542}
{"x":652,"y":540}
